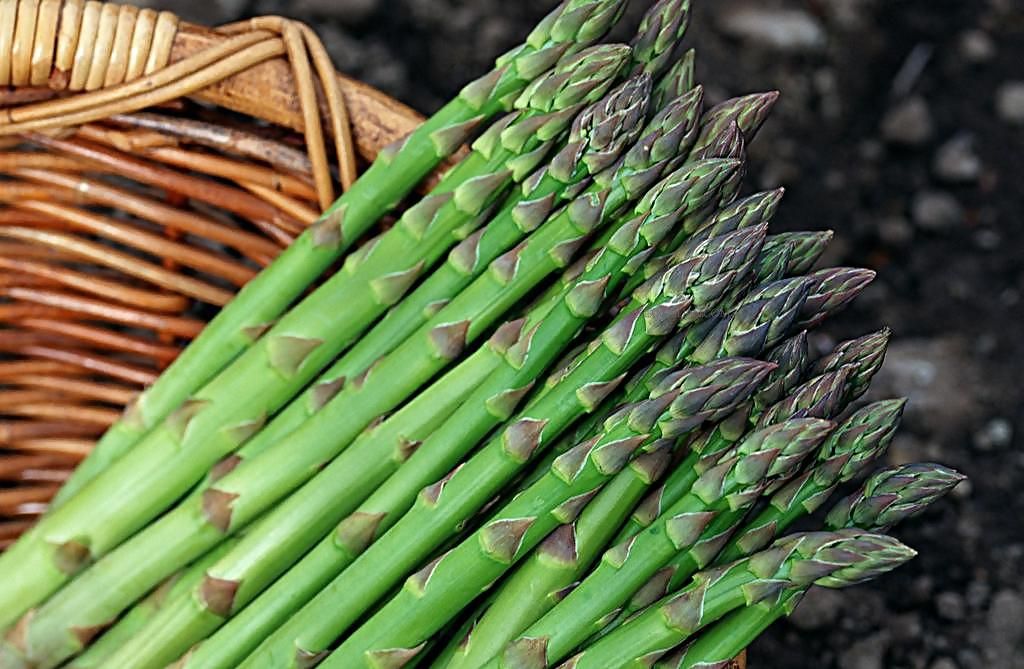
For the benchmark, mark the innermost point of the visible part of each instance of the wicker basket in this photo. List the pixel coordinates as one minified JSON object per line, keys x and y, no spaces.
{"x":148,"y":169}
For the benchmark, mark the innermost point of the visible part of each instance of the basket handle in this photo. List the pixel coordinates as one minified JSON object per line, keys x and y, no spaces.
{"x":118,"y":59}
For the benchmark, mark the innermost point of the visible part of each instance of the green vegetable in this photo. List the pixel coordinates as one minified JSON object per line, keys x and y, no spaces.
{"x":765,"y":457}
{"x":235,"y":404}
{"x":682,"y":293}
{"x":680,"y":402}
{"x":574,"y":25}
{"x":792,"y":564}
{"x":892,"y":495}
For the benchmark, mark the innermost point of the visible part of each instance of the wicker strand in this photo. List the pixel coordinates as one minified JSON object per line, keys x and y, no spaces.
{"x":105,"y":48}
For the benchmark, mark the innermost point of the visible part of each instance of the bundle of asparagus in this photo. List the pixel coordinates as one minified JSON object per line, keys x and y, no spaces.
{"x":376,"y":475}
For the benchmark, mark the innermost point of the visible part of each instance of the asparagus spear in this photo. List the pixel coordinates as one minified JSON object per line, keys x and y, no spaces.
{"x":909,"y":492}
{"x":266,"y":375}
{"x":865,"y":353}
{"x":791,"y":564}
{"x":742,"y":474}
{"x":892,"y":495}
{"x":855,"y":444}
{"x":790,"y":254}
{"x":681,"y":294}
{"x":806,"y":248}
{"x":837,"y":451}
{"x":823,"y":396}
{"x":832,"y":290}
{"x":817,"y":398}
{"x":748,"y":112}
{"x":535,"y":587}
{"x":682,"y":400}
{"x":599,"y":134}
{"x":173,"y":589}
{"x":838,"y":386}
{"x":671,"y":130}
{"x":545,"y":334}
{"x":661,"y":29}
{"x":766,"y":579}
{"x":678,"y":79}
{"x":572,"y":26}
{"x":248,"y":489}
{"x":368,"y":462}
{"x":791,"y":360}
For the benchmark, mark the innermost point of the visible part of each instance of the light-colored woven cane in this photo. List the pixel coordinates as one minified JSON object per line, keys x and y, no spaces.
{"x":148,"y":169}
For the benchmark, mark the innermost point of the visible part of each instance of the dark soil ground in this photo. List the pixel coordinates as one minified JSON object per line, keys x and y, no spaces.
{"x":901,"y":127}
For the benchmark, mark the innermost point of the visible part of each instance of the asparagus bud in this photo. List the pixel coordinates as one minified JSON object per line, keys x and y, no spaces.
{"x":865,"y":353}
{"x":892,"y":495}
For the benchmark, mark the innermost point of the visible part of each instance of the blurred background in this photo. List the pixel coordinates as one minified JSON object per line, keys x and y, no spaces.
{"x":901,"y":127}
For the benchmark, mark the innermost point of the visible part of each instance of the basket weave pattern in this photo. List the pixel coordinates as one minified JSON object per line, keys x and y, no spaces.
{"x":148,"y":169}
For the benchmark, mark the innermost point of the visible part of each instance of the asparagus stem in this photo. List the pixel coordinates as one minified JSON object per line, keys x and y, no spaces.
{"x":574,"y":25}
{"x":598,"y":136}
{"x":683,"y":400}
{"x":229,"y":398}
{"x":742,"y":474}
{"x":792,"y":564}
{"x":893,"y":496}
{"x":823,"y":396}
{"x":661,"y":29}
{"x":369,"y":461}
{"x":792,"y":359}
{"x":855,"y":444}
{"x":673,"y":299}
{"x":677,"y":79}
{"x":174,"y":589}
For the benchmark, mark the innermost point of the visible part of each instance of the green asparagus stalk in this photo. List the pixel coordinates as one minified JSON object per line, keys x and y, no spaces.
{"x":574,"y":25}
{"x":367,"y":463}
{"x":831,"y":291}
{"x":892,"y":495}
{"x":225,"y":507}
{"x":748,"y":112}
{"x":542,"y":578}
{"x":742,"y":474}
{"x":563,"y":558}
{"x":676,"y":120}
{"x":819,"y":397}
{"x":729,"y":143}
{"x":661,"y":29}
{"x":791,"y":564}
{"x":754,"y":210}
{"x":681,"y":294}
{"x":792,"y":360}
{"x":855,"y":444}
{"x":866,"y":353}
{"x":847,"y":451}
{"x":370,"y":460}
{"x":825,"y":398}
{"x":598,"y":136}
{"x":678,"y":79}
{"x":247,"y":490}
{"x":805,"y":248}
{"x":908,"y":493}
{"x":683,"y":400}
{"x":179,"y":585}
{"x":790,"y":254}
